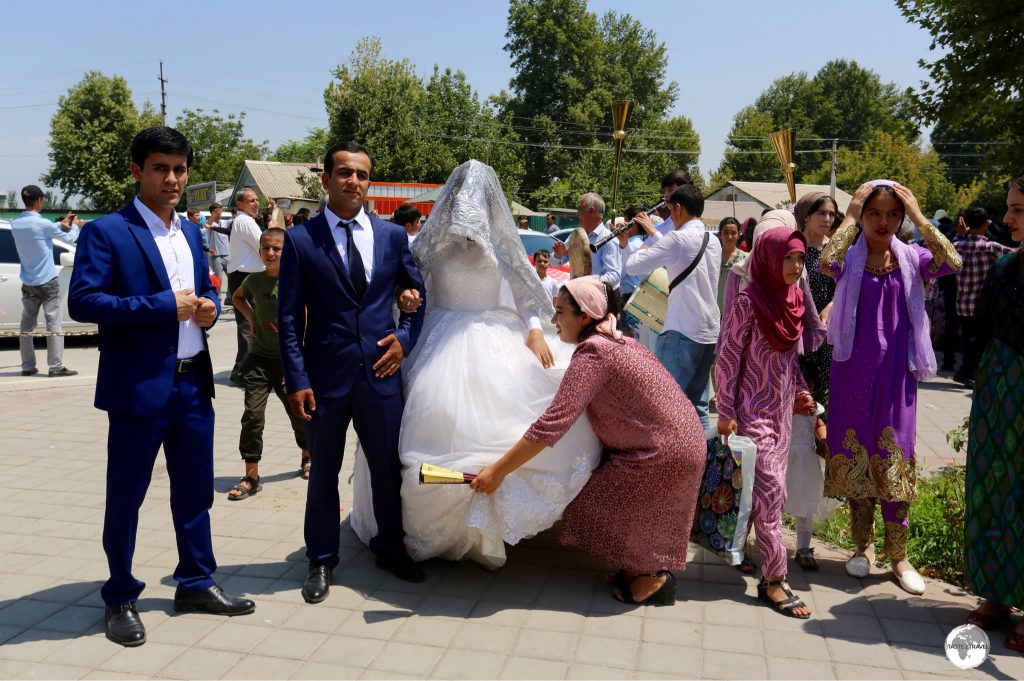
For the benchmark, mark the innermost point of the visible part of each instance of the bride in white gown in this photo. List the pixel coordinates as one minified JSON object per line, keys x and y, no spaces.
{"x":473,"y":386}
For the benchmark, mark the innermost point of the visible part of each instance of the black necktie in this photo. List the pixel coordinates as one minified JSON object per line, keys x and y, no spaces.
{"x":356,"y":271}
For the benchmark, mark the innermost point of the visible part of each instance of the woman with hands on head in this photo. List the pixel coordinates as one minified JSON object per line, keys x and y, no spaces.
{"x":636,"y":511}
{"x":879,"y":331}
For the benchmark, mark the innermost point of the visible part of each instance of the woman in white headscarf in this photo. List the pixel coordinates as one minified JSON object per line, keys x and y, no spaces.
{"x":483,"y":370}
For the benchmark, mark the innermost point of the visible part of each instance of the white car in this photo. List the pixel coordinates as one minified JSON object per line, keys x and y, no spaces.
{"x":10,"y":284}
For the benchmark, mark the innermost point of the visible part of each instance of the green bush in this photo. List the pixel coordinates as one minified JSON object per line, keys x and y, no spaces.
{"x":936,"y":542}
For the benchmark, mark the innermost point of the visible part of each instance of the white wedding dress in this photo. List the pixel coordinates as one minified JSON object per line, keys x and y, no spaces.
{"x":472,"y":389}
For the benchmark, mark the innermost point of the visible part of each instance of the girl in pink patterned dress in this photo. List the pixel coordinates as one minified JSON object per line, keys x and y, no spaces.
{"x":636,"y":511}
{"x":760,"y":386}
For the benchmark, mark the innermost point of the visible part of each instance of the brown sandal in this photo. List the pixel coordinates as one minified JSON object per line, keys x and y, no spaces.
{"x":304,"y":468}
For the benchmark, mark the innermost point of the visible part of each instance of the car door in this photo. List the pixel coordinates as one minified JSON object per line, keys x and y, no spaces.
{"x":10,"y":283}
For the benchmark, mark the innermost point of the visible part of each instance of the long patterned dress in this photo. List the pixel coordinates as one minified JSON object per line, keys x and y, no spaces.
{"x":636,"y":511}
{"x":823,"y":289}
{"x":994,"y":542}
{"x":757,"y":387}
{"x":873,"y":410}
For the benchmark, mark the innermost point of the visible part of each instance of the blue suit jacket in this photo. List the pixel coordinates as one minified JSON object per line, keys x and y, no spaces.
{"x":327,"y":335}
{"x":119,"y":282}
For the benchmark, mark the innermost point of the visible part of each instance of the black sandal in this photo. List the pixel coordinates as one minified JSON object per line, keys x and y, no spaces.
{"x":304,"y":468}
{"x":666,"y":595}
{"x":787,"y":605}
{"x":805,"y":559}
{"x":252,"y":490}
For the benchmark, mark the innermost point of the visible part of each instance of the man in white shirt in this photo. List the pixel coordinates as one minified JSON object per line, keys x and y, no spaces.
{"x":686,"y":346}
{"x":408,"y":217}
{"x":243,"y":260}
{"x":671,"y":182}
{"x":607,"y":263}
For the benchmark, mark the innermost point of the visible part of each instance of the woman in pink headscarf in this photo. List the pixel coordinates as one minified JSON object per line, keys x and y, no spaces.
{"x":760,"y":386}
{"x":636,"y":511}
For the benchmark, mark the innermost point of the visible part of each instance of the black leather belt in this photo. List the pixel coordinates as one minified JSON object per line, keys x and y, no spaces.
{"x":183,"y":366}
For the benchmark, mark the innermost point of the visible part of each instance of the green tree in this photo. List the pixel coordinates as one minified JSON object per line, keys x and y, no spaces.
{"x":889,"y":156}
{"x":842,"y":100}
{"x":310,"y":149}
{"x":54,"y":201}
{"x":980,"y":69}
{"x":219,"y":145}
{"x":90,"y":135}
{"x":376,"y":100}
{"x":569,"y":64}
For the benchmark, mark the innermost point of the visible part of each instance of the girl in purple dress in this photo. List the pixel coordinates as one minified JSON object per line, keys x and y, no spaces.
{"x":880,"y":334}
{"x":760,"y":386}
{"x":636,"y":511}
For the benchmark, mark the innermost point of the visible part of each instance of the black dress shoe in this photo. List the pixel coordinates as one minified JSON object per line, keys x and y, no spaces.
{"x":317,"y":584}
{"x":29,"y":372}
{"x":124,"y":625}
{"x":401,"y":566}
{"x":213,"y":601}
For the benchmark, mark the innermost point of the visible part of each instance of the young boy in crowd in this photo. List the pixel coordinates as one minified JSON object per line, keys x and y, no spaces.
{"x":256,"y":300}
{"x":541,"y":260}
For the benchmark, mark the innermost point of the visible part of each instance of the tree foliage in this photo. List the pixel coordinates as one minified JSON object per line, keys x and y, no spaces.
{"x":842,"y":100}
{"x":90,"y":135}
{"x":309,"y":149}
{"x":886,"y":155}
{"x":569,"y":65}
{"x":416,"y":131}
{"x":220,"y":147}
{"x":974,"y":89}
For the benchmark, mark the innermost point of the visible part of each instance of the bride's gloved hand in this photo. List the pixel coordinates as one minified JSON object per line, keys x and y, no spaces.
{"x":539,"y":347}
{"x":488,"y":480}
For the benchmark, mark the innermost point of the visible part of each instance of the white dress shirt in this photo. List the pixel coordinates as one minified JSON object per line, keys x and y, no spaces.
{"x":244,"y":245}
{"x":665,"y":226}
{"x":177,"y":257}
{"x":693,"y":304}
{"x":362,"y":235}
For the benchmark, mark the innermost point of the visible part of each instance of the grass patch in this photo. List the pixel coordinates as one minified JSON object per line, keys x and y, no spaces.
{"x":936,"y":542}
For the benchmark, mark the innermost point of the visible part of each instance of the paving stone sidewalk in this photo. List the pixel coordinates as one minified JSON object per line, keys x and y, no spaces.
{"x":547,"y":614}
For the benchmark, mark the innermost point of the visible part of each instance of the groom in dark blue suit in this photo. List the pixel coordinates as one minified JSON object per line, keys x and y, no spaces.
{"x":341,"y":352}
{"x":141,"y":274}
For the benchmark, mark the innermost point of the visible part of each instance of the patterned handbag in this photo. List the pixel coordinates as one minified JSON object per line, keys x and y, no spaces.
{"x":722,"y":519}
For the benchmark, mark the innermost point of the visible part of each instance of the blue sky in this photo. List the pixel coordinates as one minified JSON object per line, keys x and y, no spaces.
{"x":273,"y":59}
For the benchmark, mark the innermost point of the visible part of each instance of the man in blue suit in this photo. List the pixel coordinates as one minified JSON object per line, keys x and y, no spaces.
{"x":141,"y":275}
{"x":341,"y":352}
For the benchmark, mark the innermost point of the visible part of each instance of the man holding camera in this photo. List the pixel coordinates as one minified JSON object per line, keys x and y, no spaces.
{"x":40,"y":285}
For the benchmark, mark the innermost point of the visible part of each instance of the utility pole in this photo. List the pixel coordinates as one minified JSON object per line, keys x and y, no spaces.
{"x":832,"y":189}
{"x":163,"y":94}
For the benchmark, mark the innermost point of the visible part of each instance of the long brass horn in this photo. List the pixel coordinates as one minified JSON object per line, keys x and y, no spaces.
{"x":782,"y":140}
{"x":620,"y":116}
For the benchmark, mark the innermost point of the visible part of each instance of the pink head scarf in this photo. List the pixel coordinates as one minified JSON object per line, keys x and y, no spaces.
{"x":592,"y":297}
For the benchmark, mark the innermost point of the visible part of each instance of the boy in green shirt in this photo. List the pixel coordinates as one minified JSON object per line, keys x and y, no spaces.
{"x":256,"y":300}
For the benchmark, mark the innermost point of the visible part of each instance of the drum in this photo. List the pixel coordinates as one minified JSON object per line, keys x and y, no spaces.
{"x":649,"y":302}
{"x":581,"y":262}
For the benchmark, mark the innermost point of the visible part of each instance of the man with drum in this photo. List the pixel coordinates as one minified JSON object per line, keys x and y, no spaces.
{"x":686,"y":346}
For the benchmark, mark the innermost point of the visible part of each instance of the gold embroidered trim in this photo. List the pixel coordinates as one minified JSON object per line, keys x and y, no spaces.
{"x":882,"y":271}
{"x":942,"y":250}
{"x":862,"y":523}
{"x":834,"y":253}
{"x":861,"y":476}
{"x":896,"y":537}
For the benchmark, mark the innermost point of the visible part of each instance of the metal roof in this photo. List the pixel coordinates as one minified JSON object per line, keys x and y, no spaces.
{"x":772,"y":194}
{"x":273,"y":178}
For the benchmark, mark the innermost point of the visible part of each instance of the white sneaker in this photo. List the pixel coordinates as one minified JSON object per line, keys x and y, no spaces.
{"x":911,"y":581}
{"x":858,"y":567}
